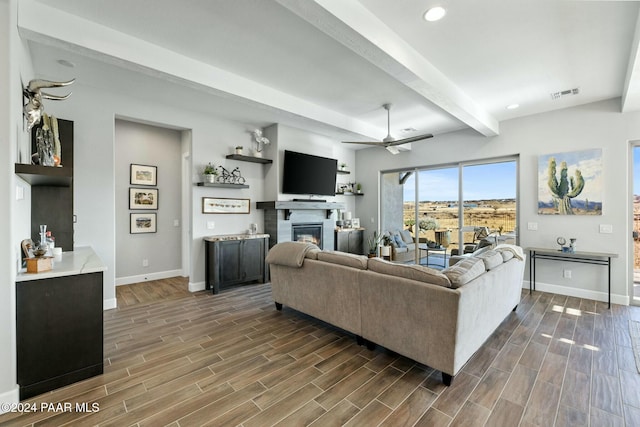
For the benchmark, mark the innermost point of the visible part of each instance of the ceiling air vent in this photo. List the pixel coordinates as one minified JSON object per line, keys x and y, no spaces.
{"x":563,"y":93}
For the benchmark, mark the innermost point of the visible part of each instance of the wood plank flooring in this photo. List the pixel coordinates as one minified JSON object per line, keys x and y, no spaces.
{"x":232,"y":359}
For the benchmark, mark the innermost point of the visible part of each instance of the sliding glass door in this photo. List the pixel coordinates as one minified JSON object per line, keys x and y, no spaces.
{"x":452,"y":206}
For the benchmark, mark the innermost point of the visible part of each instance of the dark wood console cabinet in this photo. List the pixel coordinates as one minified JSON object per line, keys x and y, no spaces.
{"x":59,"y":331}
{"x":231,"y":262}
{"x":349,"y":240}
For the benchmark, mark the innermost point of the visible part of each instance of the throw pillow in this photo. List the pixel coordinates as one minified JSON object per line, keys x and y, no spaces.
{"x":399,"y":241}
{"x":413,"y":272}
{"x":343,"y":258}
{"x":464,"y":271}
{"x":506,"y":254}
{"x":491,"y":259}
{"x":406,"y":236}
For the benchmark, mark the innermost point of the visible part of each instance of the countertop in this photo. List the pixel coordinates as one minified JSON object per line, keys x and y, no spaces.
{"x":223,"y":237}
{"x":81,"y":260}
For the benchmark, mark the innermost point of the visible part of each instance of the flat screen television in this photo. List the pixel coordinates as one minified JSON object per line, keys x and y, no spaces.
{"x":308,"y":174}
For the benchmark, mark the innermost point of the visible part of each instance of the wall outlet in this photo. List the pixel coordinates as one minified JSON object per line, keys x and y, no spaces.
{"x":145,"y":262}
{"x":566,"y":274}
{"x":533,"y":226}
{"x":19,"y":192}
{"x":211,"y":225}
{"x":606,"y":228}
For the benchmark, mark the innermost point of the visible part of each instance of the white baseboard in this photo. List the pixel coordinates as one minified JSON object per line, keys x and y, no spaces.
{"x":195,"y":287}
{"x":579,"y":293}
{"x":11,"y":396}
{"x":146,"y":277}
{"x":108,"y":304}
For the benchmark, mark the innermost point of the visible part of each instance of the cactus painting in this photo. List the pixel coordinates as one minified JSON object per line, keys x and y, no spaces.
{"x":570,"y":183}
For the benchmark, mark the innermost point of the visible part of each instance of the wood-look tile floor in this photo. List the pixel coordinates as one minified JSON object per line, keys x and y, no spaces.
{"x":232,"y":359}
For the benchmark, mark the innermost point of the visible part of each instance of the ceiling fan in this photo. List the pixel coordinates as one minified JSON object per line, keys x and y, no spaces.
{"x":390,"y":142}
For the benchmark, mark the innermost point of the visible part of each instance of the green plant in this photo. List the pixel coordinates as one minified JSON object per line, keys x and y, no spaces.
{"x":373,"y":241}
{"x":566,"y":189}
{"x":343,"y":165}
{"x":210,"y":169}
{"x":358,"y":187}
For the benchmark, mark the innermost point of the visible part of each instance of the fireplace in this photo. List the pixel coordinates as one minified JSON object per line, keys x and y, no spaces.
{"x":308,"y":232}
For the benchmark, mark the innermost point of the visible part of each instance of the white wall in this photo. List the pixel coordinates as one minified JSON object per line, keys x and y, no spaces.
{"x":597,"y":125}
{"x":148,"y":145}
{"x":15,"y":67}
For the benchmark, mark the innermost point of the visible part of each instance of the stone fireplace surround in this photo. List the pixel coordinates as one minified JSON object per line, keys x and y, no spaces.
{"x":281,"y":216}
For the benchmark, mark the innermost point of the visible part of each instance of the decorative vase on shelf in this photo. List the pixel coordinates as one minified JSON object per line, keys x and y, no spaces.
{"x":210,"y":178}
{"x":239,"y":150}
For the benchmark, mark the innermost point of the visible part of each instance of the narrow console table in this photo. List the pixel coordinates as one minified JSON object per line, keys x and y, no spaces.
{"x":232,"y":259}
{"x":597,"y":258}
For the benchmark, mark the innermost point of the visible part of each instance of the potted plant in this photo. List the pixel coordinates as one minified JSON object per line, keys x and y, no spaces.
{"x":385,"y":249}
{"x":343,"y":166}
{"x":209,"y":173}
{"x":239,"y":149}
{"x":358,"y":188}
{"x":372,"y":242}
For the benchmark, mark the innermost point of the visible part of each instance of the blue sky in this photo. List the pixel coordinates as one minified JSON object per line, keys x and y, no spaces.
{"x":490,"y":181}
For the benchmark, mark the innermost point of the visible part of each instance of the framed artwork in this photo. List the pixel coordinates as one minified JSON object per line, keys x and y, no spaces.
{"x":570,"y":183}
{"x":143,"y":198}
{"x":218,"y":205}
{"x":143,"y":223}
{"x":143,"y":175}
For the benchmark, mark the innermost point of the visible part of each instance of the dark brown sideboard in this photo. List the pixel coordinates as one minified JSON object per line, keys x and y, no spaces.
{"x":235,"y":259}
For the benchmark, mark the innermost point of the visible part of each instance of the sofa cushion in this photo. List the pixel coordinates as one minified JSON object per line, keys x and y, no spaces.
{"x":414,"y":272}
{"x":343,"y":258}
{"x":491,"y":259}
{"x":406,"y":236}
{"x":464,"y":271}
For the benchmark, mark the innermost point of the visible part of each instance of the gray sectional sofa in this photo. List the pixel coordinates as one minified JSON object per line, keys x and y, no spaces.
{"x":436,"y":318}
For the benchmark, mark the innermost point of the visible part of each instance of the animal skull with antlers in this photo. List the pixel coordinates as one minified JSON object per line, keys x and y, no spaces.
{"x":33,"y":109}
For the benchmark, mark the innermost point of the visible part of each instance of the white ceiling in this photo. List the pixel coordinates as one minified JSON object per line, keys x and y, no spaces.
{"x":328,"y":65}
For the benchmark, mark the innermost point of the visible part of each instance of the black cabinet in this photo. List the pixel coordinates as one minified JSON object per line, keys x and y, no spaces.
{"x":232,"y":262}
{"x":349,"y":241}
{"x":59,"y":332}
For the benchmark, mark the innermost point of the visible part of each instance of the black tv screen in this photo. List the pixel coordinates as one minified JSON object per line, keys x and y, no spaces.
{"x":307,"y":174}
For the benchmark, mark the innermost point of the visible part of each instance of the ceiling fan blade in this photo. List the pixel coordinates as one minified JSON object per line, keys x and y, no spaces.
{"x":363,"y":142}
{"x":408,"y":140}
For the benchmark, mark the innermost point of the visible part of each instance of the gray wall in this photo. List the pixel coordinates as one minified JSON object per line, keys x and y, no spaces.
{"x":155,"y":146}
{"x":596,"y":125}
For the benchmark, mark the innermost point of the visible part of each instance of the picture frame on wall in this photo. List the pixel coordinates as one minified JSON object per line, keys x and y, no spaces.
{"x":145,"y":222}
{"x":143,"y":198}
{"x":219,"y":205}
{"x":143,"y":175}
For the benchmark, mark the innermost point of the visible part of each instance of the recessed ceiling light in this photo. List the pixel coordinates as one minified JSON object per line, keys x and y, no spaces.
{"x":66,"y":63}
{"x":435,"y":14}
{"x":512,"y":106}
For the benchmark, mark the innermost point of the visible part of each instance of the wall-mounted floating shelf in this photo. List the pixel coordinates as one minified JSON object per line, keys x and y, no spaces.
{"x":343,"y":172}
{"x":349,"y":194}
{"x":45,"y":175}
{"x":221,"y":185}
{"x":251,"y":159}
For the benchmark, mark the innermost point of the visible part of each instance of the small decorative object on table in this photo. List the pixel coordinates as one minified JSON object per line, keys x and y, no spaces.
{"x":572,"y":245}
{"x":239,"y":149}
{"x":562,"y":242}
